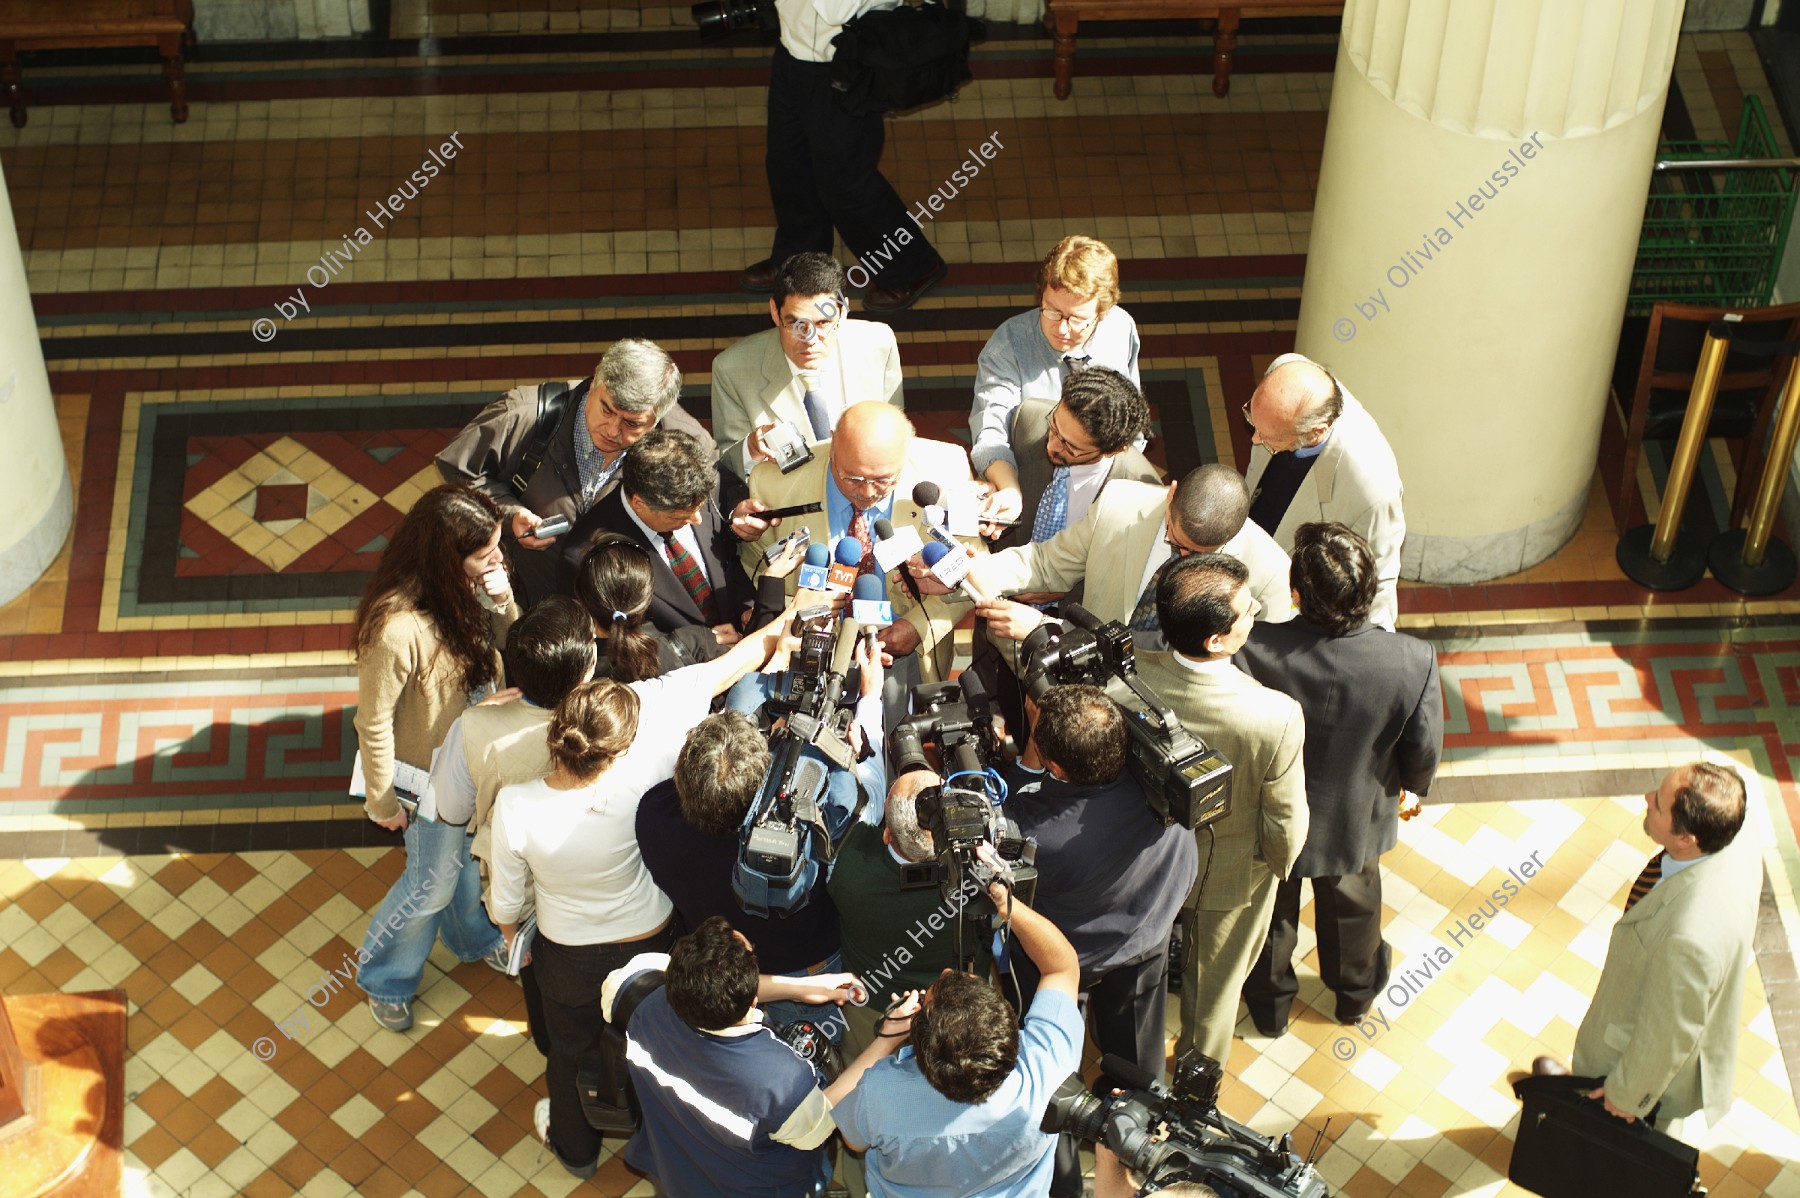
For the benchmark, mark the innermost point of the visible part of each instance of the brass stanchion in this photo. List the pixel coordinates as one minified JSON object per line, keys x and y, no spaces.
{"x":1660,"y":557}
{"x":1749,"y":560}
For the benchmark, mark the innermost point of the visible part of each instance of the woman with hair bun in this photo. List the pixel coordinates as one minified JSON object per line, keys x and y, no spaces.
{"x":567,"y":844}
{"x":426,"y":634}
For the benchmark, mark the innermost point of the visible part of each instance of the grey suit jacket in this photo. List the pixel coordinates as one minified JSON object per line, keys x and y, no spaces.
{"x":1664,"y":1021}
{"x":1355,"y":482}
{"x":1030,"y":440}
{"x":1263,"y":736}
{"x":1375,"y":724}
{"x":753,"y":383}
{"x":1109,"y":548}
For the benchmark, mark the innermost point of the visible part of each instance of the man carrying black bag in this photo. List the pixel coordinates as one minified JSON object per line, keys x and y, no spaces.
{"x":824,"y":167}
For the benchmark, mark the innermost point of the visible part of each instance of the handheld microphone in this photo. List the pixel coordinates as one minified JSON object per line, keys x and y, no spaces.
{"x":951,"y":567}
{"x":893,"y":546}
{"x":848,"y":557}
{"x":782,"y":513}
{"x":926,"y":495}
{"x":813,"y":572}
{"x":868,"y":602}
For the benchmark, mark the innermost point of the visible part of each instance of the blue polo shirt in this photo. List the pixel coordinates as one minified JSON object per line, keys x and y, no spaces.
{"x":923,"y":1145}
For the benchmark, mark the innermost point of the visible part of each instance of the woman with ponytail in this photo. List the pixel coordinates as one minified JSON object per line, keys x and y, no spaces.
{"x":426,"y":634}
{"x":567,"y":844}
{"x":615,"y":582}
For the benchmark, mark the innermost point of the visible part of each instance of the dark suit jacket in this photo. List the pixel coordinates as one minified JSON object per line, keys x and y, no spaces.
{"x":1030,"y":437}
{"x":485,"y":453}
{"x":1374,"y":724}
{"x":670,"y":605}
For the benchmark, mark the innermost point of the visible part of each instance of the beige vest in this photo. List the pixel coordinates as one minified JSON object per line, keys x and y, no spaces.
{"x":504,"y":745}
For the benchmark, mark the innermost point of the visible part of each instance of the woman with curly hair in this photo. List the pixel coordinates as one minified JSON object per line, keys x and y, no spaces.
{"x":426,"y":634}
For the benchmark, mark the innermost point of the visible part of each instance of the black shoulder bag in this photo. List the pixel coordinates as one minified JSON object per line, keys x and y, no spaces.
{"x":899,"y":58}
{"x":553,"y":403}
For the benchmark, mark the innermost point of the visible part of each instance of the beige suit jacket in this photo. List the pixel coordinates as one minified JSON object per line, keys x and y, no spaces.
{"x":936,"y":461}
{"x":503,"y":745}
{"x":1355,"y":482}
{"x":1262,"y":734}
{"x":1663,"y":1025}
{"x":1108,"y":549}
{"x":753,"y":383}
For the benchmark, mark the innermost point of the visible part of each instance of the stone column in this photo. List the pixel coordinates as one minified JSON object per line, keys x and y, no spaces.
{"x":1482,"y":187}
{"x":35,"y":496}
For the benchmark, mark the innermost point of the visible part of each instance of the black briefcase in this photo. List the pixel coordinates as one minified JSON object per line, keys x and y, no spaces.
{"x":1569,"y":1147}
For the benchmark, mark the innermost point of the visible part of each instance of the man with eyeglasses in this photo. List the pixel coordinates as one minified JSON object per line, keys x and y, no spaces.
{"x":1318,"y":456}
{"x":805,"y":371}
{"x":1077,"y":324}
{"x":557,"y":449}
{"x":1118,"y":551}
{"x":866,"y":474}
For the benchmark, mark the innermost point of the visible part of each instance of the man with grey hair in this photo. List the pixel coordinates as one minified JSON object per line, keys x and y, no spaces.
{"x":556,"y":449}
{"x":1317,"y":455}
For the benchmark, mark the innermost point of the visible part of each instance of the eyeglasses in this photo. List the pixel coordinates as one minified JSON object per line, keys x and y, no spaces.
{"x":1077,"y":456}
{"x":1077,"y":324}
{"x":880,"y":481}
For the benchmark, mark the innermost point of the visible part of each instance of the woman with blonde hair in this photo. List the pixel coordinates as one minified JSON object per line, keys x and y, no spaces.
{"x":427,"y":636}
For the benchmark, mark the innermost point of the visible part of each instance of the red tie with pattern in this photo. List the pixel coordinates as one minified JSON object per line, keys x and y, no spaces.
{"x":691,"y":577}
{"x":859,"y":528}
{"x":1645,"y":881}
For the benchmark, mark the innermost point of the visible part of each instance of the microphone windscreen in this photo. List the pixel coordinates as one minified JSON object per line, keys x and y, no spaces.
{"x":849,"y":551}
{"x":926,"y":494}
{"x":884,"y":529}
{"x":817,"y":555}
{"x":870,"y":586}
{"x":934,"y":552}
{"x":1129,"y":1074}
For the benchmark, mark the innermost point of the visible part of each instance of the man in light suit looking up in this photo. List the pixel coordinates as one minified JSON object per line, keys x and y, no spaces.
{"x":1117,"y":550}
{"x":1375,"y":730}
{"x":1663,"y":1025}
{"x":1318,"y":455}
{"x":866,"y":473}
{"x":1207,"y":612}
{"x":805,"y":371}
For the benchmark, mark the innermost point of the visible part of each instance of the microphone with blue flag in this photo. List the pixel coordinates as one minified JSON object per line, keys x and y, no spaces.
{"x":815,"y":570}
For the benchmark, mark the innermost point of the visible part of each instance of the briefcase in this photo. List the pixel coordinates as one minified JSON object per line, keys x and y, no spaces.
{"x":1569,"y":1147}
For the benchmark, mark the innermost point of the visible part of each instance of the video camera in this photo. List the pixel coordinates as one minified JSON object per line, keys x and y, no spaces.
{"x":715,"y":18}
{"x":1185,"y":782}
{"x":1173,"y":1134}
{"x":963,"y":813}
{"x":775,"y":872}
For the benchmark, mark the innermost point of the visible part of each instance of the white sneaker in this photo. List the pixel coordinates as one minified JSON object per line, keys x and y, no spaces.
{"x":540,"y":1123}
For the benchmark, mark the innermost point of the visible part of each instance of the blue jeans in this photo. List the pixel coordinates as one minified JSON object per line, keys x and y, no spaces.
{"x":440,"y":892}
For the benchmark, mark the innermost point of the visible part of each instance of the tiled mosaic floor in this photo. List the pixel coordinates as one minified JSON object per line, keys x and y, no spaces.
{"x":173,"y":695}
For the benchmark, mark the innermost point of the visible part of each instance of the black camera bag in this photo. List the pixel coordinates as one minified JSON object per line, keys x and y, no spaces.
{"x":604,"y":1084}
{"x":899,"y":58}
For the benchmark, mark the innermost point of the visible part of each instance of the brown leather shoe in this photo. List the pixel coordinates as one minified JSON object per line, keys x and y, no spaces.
{"x":879,"y":301}
{"x":1548,"y":1067}
{"x":759,"y":278}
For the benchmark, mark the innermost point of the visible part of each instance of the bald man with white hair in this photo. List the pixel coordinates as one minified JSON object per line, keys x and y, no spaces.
{"x":1317,"y":455}
{"x":872,"y":463}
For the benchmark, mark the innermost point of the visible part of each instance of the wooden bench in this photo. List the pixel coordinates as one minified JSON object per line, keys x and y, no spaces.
{"x":1064,"y":16}
{"x":81,"y":24}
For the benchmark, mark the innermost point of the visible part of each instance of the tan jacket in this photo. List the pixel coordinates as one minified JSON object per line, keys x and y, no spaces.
{"x":937,"y":461}
{"x":1262,"y":734}
{"x":408,"y":693}
{"x":504,"y":744}
{"x":1663,"y":1025}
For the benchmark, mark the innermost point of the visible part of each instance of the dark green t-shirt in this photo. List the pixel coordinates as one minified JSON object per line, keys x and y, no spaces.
{"x":894,"y":940}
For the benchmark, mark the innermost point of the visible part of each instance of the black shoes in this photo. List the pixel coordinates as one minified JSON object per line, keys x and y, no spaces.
{"x":879,"y":301}
{"x":759,"y":278}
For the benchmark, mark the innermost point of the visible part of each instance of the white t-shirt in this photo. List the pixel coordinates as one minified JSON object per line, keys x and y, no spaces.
{"x":578,"y":848}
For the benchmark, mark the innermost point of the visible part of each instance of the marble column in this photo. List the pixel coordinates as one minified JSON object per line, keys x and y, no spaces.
{"x":36,"y":499}
{"x":1479,"y":201}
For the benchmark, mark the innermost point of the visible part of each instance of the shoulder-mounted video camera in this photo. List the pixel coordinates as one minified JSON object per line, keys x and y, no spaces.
{"x":776,"y":867}
{"x":1175,"y":1133}
{"x":1186,"y":782}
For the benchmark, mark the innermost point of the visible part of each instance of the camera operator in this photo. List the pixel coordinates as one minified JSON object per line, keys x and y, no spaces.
{"x":723,"y":1100}
{"x":687,"y":832}
{"x":960,"y":1113}
{"x":824,"y":165}
{"x":1111,"y":876}
{"x":1206,"y":610}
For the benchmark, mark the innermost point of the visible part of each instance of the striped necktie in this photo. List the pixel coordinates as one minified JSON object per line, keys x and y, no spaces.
{"x":692,"y":578}
{"x":1053,"y":509}
{"x":1646,"y":881}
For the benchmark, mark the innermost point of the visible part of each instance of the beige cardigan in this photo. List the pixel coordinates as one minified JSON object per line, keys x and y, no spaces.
{"x":408,"y":695}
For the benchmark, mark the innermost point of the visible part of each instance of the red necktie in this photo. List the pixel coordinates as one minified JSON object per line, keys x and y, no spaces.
{"x":1646,"y":880}
{"x":692,"y":578}
{"x":859,"y":528}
